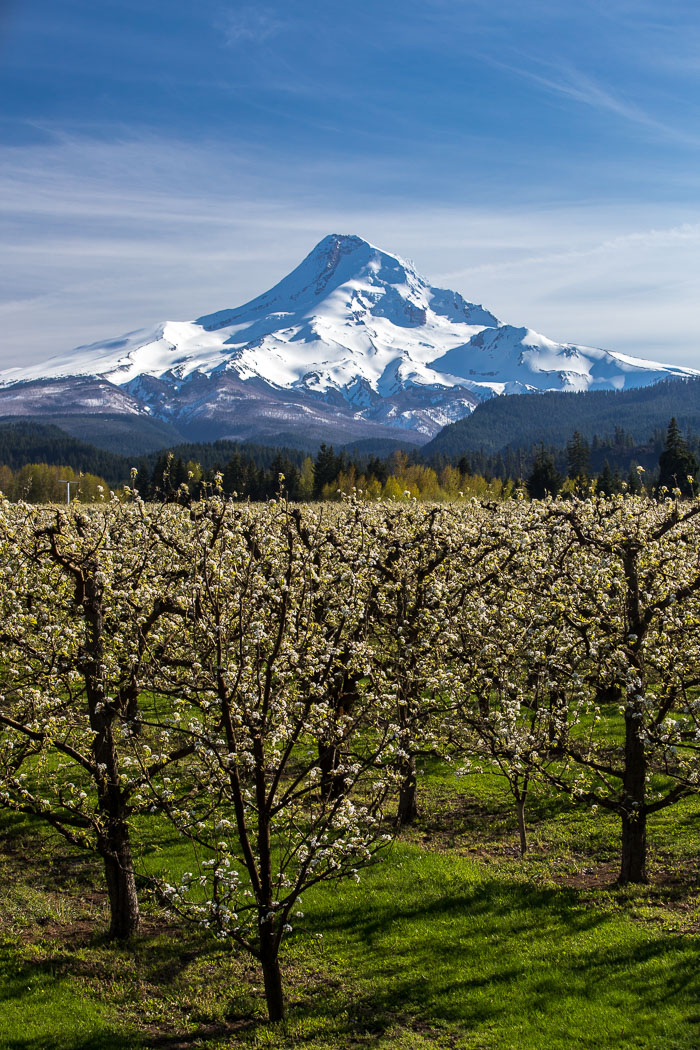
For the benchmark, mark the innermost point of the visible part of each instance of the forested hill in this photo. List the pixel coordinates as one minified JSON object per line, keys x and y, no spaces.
{"x":524,"y":420}
{"x":23,"y":442}
{"x":26,"y":441}
{"x":124,"y":435}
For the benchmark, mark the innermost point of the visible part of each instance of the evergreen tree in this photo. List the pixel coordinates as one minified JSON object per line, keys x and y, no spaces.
{"x":161,"y":480}
{"x":578,"y":456}
{"x":292,"y":476}
{"x":634,"y":481}
{"x":259,"y":486}
{"x":605,"y":486}
{"x":545,"y":479}
{"x":378,"y":468}
{"x":179,"y":474}
{"x":234,"y":479}
{"x":677,"y":464}
{"x":325,"y":468}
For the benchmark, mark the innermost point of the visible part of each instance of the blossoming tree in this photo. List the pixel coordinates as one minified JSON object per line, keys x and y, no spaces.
{"x":272,"y":619}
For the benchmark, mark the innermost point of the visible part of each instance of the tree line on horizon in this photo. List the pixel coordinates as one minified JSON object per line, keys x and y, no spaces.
{"x":606,"y":465}
{"x":331,"y":475}
{"x":676,"y":471}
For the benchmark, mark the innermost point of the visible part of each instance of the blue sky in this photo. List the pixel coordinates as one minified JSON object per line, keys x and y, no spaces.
{"x":166,"y":159}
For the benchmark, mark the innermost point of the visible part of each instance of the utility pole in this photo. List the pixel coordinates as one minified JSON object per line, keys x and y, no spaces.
{"x":62,"y":481}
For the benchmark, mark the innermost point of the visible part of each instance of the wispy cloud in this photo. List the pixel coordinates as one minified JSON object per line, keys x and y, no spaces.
{"x":571,"y":83}
{"x":686,"y":233}
{"x":616,"y":284}
{"x":101,"y":238}
{"x":250,"y":24}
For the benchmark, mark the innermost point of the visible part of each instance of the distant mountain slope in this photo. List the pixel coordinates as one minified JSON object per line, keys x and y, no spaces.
{"x":130,"y":436}
{"x":551,"y":418}
{"x":27,"y":441}
{"x":352,"y":345}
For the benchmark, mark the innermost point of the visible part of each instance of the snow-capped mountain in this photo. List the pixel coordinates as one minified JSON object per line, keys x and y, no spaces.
{"x":352,"y":343}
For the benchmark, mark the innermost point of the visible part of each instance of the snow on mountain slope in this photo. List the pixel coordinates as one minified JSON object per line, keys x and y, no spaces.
{"x":353,"y":333}
{"x":517,"y":360}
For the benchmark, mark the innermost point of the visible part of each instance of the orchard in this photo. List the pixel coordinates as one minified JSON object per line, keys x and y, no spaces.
{"x":270,"y":686}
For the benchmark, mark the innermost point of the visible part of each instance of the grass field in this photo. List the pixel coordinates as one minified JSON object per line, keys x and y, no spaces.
{"x":452,"y":941}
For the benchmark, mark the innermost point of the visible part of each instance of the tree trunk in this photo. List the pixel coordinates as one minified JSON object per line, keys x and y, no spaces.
{"x":123,"y":898}
{"x":272,"y":975}
{"x":329,"y":754}
{"x":131,"y":706}
{"x":634,"y":849}
{"x":557,"y":705}
{"x":522,"y":830}
{"x":633,"y":808}
{"x":328,"y":759}
{"x":114,"y":843}
{"x":408,"y":808}
{"x":269,"y":944}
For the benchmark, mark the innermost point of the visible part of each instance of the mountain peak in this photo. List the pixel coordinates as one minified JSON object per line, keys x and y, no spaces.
{"x":353,"y":336}
{"x":337,"y":259}
{"x":344,"y":242}
{"x":332,"y":250}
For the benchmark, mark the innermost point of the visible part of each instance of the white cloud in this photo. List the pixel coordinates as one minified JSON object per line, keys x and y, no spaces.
{"x":250,"y":24}
{"x":633,"y":291}
{"x":571,"y":83}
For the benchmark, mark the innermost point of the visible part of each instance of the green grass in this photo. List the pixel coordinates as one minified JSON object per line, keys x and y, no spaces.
{"x":502,"y":963}
{"x":453,"y":941}
{"x":41,"y":1007}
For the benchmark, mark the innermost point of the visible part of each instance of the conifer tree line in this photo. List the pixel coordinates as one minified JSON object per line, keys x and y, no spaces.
{"x":331,"y":475}
{"x":264,"y":680}
{"x":606,"y":465}
{"x":677,"y":469}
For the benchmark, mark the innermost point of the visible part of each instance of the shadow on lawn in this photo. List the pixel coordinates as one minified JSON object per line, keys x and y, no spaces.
{"x":496,"y":949}
{"x":477,"y":957}
{"x":160,"y":959}
{"x":18,"y":980}
{"x":462,"y":819}
{"x":100,"y":1041}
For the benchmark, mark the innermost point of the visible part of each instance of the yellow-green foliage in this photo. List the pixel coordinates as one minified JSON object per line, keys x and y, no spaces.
{"x":415,"y":481}
{"x":41,"y":483}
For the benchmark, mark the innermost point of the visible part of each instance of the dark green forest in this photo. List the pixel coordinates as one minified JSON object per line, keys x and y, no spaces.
{"x":524,"y":421}
{"x":504,"y":439}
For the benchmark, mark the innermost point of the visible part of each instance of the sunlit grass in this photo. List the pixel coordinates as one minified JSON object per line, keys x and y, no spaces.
{"x":452,"y":941}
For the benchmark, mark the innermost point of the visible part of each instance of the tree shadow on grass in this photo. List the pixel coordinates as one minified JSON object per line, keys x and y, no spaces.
{"x":160,"y":961}
{"x":19,"y":980}
{"x":498,"y":954}
{"x":478,"y":957}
